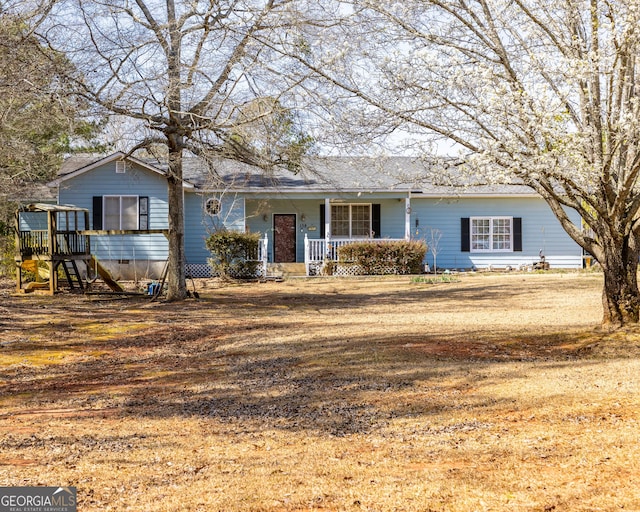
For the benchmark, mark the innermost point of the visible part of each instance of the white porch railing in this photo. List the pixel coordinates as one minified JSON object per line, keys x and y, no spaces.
{"x":317,"y":250}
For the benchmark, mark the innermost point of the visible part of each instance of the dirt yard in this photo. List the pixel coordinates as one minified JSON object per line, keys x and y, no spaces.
{"x":493,"y":392}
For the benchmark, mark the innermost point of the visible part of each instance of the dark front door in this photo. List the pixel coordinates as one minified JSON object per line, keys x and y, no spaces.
{"x":284,"y":238}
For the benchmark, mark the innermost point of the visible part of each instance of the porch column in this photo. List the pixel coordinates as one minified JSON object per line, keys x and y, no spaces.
{"x":306,"y":254}
{"x":327,"y":223}
{"x":407,"y":217}
{"x":265,"y":255}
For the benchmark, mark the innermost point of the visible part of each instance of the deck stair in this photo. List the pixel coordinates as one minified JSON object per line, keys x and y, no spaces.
{"x":72,"y":274}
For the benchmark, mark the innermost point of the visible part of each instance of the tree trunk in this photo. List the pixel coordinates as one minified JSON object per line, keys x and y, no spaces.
{"x":620,"y":295}
{"x":174,"y":132}
{"x":177,"y":286}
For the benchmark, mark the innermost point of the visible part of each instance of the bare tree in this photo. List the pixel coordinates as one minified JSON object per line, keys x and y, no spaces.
{"x":188,"y":75}
{"x":531,"y":91}
{"x":433,"y":243}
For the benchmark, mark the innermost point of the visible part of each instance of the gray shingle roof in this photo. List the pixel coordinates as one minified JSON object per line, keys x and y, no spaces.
{"x":327,"y":174}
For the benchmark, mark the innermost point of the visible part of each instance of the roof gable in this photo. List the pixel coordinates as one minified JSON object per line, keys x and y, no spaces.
{"x":81,"y":164}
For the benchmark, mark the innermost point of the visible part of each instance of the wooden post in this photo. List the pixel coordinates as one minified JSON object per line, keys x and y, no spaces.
{"x":18,"y":276}
{"x":87,"y":247}
{"x":18,"y":254}
{"x":53,"y":237}
{"x":53,"y":277}
{"x":52,"y":250}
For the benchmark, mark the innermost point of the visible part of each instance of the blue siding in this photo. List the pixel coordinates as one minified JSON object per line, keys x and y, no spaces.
{"x":195,"y":230}
{"x":392,"y":213}
{"x":33,"y":221}
{"x":541,"y":231}
{"x":260,"y":214}
{"x":199,"y":224}
{"x":260,"y":217}
{"x":232,"y":212}
{"x":38,"y":221}
{"x":104,"y":180}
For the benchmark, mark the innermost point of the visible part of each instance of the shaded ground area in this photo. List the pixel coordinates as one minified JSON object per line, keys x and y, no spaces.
{"x":493,"y":392}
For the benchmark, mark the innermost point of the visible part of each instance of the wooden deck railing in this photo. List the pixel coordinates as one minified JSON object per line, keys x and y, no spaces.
{"x":65,"y":243}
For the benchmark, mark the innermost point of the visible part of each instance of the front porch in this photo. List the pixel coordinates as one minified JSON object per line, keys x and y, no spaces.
{"x":319,"y":252}
{"x":310,"y":231}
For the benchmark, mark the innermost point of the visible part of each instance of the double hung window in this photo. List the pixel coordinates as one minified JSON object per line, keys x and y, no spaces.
{"x":494,"y":234}
{"x":120,"y":212}
{"x":351,"y":220}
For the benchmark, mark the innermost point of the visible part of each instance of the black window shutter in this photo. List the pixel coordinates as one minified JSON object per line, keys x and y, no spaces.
{"x":465,"y":237}
{"x":97,"y":212}
{"x":376,"y":221}
{"x":517,"y":234}
{"x":143,"y":212}
{"x":322,"y":221}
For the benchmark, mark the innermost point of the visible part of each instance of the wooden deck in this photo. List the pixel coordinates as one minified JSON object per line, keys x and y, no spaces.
{"x":60,"y":240}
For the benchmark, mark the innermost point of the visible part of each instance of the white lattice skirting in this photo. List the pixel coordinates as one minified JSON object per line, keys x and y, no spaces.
{"x":202,"y":270}
{"x":350,"y":269}
{"x":358,"y":270}
{"x":197,"y":270}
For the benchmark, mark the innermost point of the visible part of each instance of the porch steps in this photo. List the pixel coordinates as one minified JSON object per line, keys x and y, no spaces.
{"x":286,"y":270}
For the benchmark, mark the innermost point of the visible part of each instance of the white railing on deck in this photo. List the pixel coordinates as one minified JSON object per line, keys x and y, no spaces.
{"x":320,"y":249}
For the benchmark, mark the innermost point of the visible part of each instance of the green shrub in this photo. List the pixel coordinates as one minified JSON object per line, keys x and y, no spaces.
{"x":234,"y":254}
{"x":392,"y":257}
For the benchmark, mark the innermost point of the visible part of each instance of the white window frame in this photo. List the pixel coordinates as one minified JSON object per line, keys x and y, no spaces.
{"x":350,"y":236}
{"x":120,"y":197}
{"x":212,"y":206}
{"x":492,"y":234}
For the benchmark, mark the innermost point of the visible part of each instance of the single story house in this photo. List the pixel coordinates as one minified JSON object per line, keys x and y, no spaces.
{"x":303,"y":217}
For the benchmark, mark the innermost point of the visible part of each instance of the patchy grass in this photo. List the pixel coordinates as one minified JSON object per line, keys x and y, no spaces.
{"x":493,"y":392}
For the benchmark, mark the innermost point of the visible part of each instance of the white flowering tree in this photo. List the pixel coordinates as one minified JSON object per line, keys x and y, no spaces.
{"x":542,"y":92}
